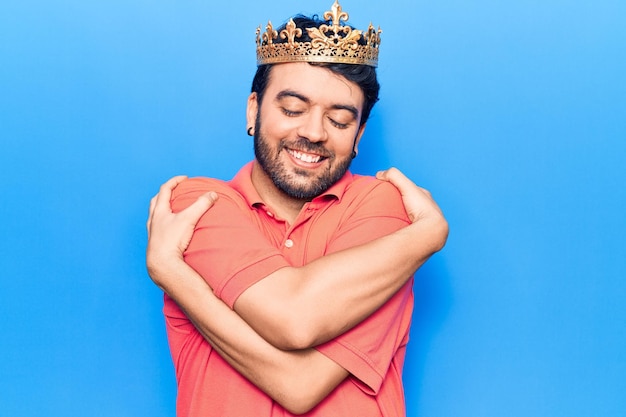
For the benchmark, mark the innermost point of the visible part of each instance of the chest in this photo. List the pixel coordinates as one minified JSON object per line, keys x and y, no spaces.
{"x":309,"y":237}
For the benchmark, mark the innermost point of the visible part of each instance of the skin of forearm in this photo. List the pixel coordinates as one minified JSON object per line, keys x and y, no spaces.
{"x":298,"y":380}
{"x":297,"y":308}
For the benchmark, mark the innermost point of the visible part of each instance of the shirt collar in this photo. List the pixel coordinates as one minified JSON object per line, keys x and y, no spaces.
{"x":242,"y":182}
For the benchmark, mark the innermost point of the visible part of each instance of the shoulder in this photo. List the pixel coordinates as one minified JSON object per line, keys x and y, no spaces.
{"x":383,"y":193}
{"x":190,"y":189}
{"x":368,"y":183}
{"x":201,"y":185}
{"x":366,"y":197}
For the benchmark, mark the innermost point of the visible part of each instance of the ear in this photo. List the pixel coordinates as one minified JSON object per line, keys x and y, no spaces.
{"x":357,"y":139}
{"x":252,"y":110}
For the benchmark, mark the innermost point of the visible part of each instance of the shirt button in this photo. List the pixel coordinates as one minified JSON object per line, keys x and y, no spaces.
{"x":289,"y":243}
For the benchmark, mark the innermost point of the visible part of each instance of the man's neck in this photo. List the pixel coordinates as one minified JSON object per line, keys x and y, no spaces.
{"x":283,"y":206}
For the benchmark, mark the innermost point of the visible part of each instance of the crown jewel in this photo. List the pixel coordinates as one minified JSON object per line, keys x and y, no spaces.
{"x":334,"y":43}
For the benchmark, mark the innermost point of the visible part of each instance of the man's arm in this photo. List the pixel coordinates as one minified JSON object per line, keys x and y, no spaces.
{"x":297,"y":380}
{"x":353,"y":283}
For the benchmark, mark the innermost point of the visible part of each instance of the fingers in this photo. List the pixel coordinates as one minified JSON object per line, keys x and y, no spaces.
{"x":193,"y":213}
{"x":418,"y":202}
{"x":165,"y":192}
{"x":150,"y":213}
{"x":152,"y":206}
{"x":399,"y":180}
{"x":173,"y":182}
{"x":163,"y":197}
{"x":393,"y":175}
{"x":382,"y":175}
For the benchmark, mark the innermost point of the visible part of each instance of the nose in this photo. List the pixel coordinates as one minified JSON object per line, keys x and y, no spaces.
{"x":312,"y":127}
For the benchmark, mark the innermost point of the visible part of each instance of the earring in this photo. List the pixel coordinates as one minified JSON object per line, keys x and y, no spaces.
{"x":353,"y":154}
{"x":249,"y":131}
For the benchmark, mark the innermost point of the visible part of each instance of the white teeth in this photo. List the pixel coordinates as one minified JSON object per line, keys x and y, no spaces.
{"x":305,"y":156}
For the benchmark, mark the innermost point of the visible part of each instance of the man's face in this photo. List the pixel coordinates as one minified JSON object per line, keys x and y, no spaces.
{"x":306,"y":128}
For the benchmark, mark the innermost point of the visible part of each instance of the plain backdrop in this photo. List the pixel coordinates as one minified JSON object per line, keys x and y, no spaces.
{"x":513,"y":114}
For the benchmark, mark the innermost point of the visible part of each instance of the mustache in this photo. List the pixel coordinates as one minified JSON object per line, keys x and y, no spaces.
{"x":305,"y":145}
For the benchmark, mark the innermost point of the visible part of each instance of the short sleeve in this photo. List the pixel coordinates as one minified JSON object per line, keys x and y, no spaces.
{"x":227,"y":248}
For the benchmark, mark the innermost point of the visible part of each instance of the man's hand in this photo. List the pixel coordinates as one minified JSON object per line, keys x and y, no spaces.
{"x":169,"y":233}
{"x":420,"y":207}
{"x":418,"y":202}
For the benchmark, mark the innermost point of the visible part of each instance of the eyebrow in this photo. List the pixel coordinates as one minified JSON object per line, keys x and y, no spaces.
{"x":291,"y":93}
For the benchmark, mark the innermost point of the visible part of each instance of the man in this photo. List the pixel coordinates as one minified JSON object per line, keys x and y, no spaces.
{"x":294,"y":293}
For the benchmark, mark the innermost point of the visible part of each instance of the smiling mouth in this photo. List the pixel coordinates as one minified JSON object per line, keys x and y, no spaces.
{"x":305,"y":157}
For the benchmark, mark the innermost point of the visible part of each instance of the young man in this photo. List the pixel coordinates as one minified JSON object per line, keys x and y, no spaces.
{"x":294,"y":292}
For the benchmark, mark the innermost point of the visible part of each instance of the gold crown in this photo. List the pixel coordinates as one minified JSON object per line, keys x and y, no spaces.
{"x":336,"y":43}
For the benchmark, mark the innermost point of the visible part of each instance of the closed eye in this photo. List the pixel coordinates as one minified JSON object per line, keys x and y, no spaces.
{"x":337,"y":124}
{"x":291,"y":113}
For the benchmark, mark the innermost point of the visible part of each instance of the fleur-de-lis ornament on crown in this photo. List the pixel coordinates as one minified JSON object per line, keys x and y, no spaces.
{"x":334,"y":43}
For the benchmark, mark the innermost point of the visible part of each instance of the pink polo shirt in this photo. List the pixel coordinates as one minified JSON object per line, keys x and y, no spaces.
{"x":238,"y":242}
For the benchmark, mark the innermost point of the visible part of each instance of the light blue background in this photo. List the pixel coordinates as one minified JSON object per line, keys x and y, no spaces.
{"x":512,"y":113}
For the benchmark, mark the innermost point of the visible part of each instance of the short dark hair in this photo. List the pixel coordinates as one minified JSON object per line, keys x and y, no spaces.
{"x":362,"y":75}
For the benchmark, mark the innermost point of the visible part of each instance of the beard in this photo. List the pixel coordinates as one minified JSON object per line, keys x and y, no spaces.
{"x":291,"y":183}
